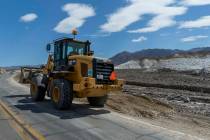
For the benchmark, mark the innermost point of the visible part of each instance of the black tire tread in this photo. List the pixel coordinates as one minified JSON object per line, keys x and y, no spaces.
{"x":97,"y":101}
{"x":66,"y":94}
{"x":40,"y":95}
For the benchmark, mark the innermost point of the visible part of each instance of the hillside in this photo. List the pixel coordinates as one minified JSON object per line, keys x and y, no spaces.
{"x":124,"y":57}
{"x":178,"y":64}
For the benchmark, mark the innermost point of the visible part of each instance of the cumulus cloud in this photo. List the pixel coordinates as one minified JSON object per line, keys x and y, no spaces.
{"x":133,"y":12}
{"x":199,"y":23}
{"x":193,"y":38}
{"x":78,"y":13}
{"x":164,"y":19}
{"x":195,"y":2}
{"x":140,"y":39}
{"x":28,"y":17}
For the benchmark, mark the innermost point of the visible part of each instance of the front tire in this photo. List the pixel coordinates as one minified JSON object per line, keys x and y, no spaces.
{"x":37,"y":89}
{"x":61,"y":94}
{"x":97,"y":101}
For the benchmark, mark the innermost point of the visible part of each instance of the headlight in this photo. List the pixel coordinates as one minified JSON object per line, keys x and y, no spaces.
{"x":72,"y":62}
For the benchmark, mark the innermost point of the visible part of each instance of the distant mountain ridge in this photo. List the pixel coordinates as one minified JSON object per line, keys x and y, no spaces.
{"x":125,"y":56}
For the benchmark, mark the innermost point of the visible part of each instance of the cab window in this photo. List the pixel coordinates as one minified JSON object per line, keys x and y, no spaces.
{"x":74,"y":48}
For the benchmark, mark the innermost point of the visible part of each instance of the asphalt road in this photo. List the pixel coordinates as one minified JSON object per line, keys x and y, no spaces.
{"x":6,"y":131}
{"x":82,"y":122}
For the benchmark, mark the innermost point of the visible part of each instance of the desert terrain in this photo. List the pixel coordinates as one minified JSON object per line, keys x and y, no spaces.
{"x":172,"y":99}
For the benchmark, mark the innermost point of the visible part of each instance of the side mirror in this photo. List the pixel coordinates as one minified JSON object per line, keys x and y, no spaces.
{"x":48,"y":47}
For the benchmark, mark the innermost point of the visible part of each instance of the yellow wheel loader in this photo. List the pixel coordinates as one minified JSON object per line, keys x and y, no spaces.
{"x":73,"y":72}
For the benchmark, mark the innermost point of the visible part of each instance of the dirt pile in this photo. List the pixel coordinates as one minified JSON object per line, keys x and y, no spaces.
{"x":138,"y":106}
{"x":2,"y":71}
{"x":17,"y":76}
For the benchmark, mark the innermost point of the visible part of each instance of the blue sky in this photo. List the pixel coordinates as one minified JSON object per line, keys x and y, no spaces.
{"x":111,"y":25}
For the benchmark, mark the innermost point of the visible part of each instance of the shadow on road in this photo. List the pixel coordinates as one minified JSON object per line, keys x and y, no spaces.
{"x":24,"y":102}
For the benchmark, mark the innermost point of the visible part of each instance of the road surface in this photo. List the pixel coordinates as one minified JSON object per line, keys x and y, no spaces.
{"x":82,"y":122}
{"x":6,"y":131}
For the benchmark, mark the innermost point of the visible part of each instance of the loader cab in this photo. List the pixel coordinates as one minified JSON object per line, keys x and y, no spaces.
{"x":63,"y":48}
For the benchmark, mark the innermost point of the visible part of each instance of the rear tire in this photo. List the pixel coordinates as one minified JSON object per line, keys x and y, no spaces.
{"x":37,"y":88}
{"x":61,"y":93}
{"x":97,"y":101}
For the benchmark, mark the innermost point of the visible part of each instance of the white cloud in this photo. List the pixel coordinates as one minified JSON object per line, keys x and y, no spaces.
{"x":78,"y":13}
{"x":193,"y":38}
{"x":195,"y":2}
{"x":199,"y":23}
{"x":29,"y":17}
{"x":132,"y":13}
{"x":163,"y":20}
{"x":140,"y":39}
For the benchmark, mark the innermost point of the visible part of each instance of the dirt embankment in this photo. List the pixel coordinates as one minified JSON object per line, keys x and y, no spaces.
{"x":191,"y":105}
{"x":185,"y":92}
{"x":155,"y":109}
{"x":139,"y":106}
{"x":2,"y":71}
{"x":165,"y":78}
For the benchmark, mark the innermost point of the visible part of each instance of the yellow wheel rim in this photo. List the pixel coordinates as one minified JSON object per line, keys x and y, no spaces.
{"x":33,"y":88}
{"x":56,"y":94}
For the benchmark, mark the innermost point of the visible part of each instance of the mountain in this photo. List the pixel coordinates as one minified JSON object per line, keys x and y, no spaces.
{"x":203,"y":49}
{"x":124,"y":57}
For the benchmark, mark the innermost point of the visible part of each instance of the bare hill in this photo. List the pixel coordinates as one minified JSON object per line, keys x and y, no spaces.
{"x":124,"y":57}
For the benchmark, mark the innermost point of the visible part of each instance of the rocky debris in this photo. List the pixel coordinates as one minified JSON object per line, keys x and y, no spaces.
{"x":184,"y":102}
{"x":184,"y":64}
{"x":185,"y":99}
{"x":197,"y":64}
{"x":186,"y":92}
{"x":169,"y":79}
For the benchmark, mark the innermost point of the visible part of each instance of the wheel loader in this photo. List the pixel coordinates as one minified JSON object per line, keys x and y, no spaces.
{"x":73,"y":72}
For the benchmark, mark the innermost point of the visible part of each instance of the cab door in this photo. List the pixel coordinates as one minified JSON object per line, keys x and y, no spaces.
{"x":60,"y":60}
